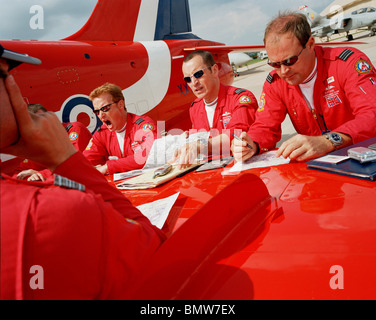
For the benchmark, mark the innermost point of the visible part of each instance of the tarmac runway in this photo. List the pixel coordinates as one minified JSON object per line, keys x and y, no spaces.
{"x":253,"y":76}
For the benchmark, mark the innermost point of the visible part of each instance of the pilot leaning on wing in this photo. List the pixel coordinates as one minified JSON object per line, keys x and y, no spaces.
{"x":329,"y":94}
{"x":124,"y":140}
{"x":218,"y":109}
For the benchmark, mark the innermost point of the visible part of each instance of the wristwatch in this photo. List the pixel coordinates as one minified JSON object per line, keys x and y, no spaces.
{"x":334,"y":138}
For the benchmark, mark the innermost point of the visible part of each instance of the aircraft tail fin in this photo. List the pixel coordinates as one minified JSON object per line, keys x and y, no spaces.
{"x":312,"y":16}
{"x":137,"y":20}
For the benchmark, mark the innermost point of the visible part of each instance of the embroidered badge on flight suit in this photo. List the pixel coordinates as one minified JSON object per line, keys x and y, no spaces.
{"x":89,"y":145}
{"x":73,"y":136}
{"x":362,"y":66}
{"x":226,"y":118}
{"x":331,"y":93}
{"x":147,"y":127}
{"x":262,"y":103}
{"x":245,"y":99}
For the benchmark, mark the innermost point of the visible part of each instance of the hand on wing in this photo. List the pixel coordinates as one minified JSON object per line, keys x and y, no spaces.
{"x":36,"y":177}
{"x":303,"y":148}
{"x":26,"y":173}
{"x":103,"y":169}
{"x":240,"y":150}
{"x":186,"y":155}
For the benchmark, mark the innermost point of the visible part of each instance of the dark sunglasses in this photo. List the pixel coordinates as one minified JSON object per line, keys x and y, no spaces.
{"x":104,"y":108}
{"x":198,"y":74}
{"x":288,"y":62}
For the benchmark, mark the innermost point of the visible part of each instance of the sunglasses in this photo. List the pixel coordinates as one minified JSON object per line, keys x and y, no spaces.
{"x":288,"y":62}
{"x":198,"y":74}
{"x":104,"y":108}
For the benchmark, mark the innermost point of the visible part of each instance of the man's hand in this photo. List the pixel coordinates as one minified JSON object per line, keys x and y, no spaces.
{"x":187,"y":154}
{"x":303,"y":148}
{"x":26,"y":173}
{"x":240,"y":150}
{"x":102,"y":168}
{"x":36,"y":177}
{"x":42,"y":137}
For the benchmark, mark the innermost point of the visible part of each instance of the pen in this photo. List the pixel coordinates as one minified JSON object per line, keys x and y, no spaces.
{"x":240,"y":139}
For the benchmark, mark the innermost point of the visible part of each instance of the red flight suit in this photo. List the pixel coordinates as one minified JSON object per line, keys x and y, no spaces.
{"x":63,"y":242}
{"x":139,"y":137}
{"x":344,"y":99}
{"x":235,"y":109}
{"x":78,"y":134}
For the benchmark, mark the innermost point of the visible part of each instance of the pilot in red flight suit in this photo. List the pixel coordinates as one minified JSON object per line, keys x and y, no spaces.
{"x":62,"y":239}
{"x":329,"y":94}
{"x":124,"y":140}
{"x":222,"y":110}
{"x":78,"y":134}
{"x":235,"y":109}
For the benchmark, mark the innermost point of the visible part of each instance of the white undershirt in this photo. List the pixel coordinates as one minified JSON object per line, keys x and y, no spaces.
{"x":121,"y":137}
{"x":307,"y":87}
{"x":210,"y":111}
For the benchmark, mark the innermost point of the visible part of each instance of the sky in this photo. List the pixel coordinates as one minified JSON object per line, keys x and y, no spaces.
{"x":233,"y":22}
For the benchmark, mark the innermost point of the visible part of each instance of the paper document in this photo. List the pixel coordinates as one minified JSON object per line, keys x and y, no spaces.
{"x":158,"y":211}
{"x":266,"y":159}
{"x":148,"y":181}
{"x":163,"y":149}
{"x":161,"y":152}
{"x":332,"y":158}
{"x":128,"y":174}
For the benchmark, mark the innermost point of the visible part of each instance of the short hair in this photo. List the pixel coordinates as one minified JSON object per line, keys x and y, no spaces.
{"x":206,"y":56}
{"x":35,"y":107}
{"x":290,"y":22}
{"x":112,"y":89}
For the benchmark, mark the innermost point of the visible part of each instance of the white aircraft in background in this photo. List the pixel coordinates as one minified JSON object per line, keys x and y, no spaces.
{"x":325,"y":27}
{"x":237,"y":60}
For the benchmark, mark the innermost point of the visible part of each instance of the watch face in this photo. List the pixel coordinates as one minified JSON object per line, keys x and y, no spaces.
{"x":336,"y":137}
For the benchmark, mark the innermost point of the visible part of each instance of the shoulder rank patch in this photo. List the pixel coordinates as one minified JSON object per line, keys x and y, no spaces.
{"x":139,"y":120}
{"x":132,"y":221}
{"x":345,"y":54}
{"x":69,"y":184}
{"x":193,"y":103}
{"x":362,"y":66}
{"x":239,"y":91}
{"x":68,"y":127}
{"x":269,"y":78}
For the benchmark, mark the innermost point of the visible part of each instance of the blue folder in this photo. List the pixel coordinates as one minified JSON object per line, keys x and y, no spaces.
{"x":349,"y":167}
